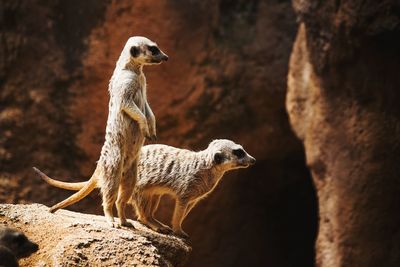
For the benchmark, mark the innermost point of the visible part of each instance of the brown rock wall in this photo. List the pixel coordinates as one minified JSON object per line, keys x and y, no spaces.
{"x":343,"y":104}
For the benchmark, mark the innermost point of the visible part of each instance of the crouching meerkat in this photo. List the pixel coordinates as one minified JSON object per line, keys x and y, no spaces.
{"x":14,"y":245}
{"x":130,"y":121}
{"x":187,"y":176}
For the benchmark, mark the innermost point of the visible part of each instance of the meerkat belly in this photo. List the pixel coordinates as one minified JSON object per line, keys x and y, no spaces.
{"x":158,"y":190}
{"x":134,"y":138}
{"x":122,"y":142}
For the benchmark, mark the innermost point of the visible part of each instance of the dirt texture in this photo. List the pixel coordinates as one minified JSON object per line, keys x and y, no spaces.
{"x":343,"y":103}
{"x":226,"y":78}
{"x":69,"y":238}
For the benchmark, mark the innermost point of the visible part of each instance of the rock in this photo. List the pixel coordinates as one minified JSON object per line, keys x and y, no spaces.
{"x":69,"y":238}
{"x":343,"y":102}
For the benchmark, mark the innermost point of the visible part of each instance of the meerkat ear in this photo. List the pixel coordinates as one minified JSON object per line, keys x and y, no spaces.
{"x":135,"y":51}
{"x":219,"y":158}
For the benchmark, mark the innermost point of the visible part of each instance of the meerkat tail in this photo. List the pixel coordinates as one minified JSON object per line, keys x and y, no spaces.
{"x":64,"y":185}
{"x":86,"y":190}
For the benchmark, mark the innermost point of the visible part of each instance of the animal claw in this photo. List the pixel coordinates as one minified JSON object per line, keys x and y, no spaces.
{"x":165,"y":230}
{"x":127,"y":224}
{"x":152,"y":137}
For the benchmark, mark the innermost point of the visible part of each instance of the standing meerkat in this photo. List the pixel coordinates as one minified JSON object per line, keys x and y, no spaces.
{"x":130,"y":121}
{"x":14,"y":245}
{"x":186,"y":175}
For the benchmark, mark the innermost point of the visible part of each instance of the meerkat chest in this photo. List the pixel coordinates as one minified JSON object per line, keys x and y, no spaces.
{"x":132,"y":88}
{"x":209,"y":181}
{"x":140,"y":92}
{"x":142,"y":81}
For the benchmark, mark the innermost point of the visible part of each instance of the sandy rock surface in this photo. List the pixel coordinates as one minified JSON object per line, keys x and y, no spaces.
{"x":69,"y":238}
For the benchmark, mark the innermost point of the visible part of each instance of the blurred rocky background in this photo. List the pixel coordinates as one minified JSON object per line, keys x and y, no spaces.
{"x":226,"y":78}
{"x":343,"y":101}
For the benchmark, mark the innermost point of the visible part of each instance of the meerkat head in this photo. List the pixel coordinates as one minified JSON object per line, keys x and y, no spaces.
{"x":17,"y":242}
{"x":144,"y":51}
{"x":228,"y":155}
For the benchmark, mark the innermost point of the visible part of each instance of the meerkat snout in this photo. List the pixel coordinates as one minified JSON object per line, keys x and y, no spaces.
{"x":242,"y":157}
{"x":157,"y":56}
{"x":252,"y":161}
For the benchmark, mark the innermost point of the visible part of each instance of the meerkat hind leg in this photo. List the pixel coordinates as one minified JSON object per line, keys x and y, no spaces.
{"x":108,"y":204}
{"x":121,"y":206}
{"x":189,"y":207}
{"x":144,"y":207}
{"x":162,"y":228}
{"x":150,"y":201}
{"x":177,"y":218}
{"x":136,"y":209}
{"x":126,"y":187}
{"x":109,"y":190}
{"x":155,"y":201}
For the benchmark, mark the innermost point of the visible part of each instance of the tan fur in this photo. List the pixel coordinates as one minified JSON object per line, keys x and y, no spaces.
{"x":130,"y":121}
{"x":186,"y":175}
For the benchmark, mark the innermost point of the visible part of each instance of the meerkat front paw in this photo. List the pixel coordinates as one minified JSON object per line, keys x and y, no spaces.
{"x":113,"y":224}
{"x":152,"y":130}
{"x":152,"y":138}
{"x":165,"y":230}
{"x":145,"y":130}
{"x":127,"y":224}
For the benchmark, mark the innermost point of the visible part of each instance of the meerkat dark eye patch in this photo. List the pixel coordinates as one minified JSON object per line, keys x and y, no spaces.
{"x":154,"y":50}
{"x":135,"y":51}
{"x":219,"y":158}
{"x":239,"y":153}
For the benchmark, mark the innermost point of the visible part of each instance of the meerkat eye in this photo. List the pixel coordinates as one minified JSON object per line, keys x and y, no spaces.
{"x":154,"y":50}
{"x":239,"y":153}
{"x":134,"y":51}
{"x":218,"y":158}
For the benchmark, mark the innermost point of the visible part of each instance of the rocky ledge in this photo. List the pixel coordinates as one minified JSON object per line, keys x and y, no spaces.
{"x":69,"y":238}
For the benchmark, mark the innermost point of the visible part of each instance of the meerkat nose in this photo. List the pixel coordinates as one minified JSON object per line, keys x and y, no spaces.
{"x":252,"y":161}
{"x":165,"y":58}
{"x":35,"y":247}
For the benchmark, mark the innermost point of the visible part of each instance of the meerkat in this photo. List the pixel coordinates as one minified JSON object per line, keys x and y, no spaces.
{"x":14,"y":245}
{"x":130,"y":121}
{"x":186,"y":175}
